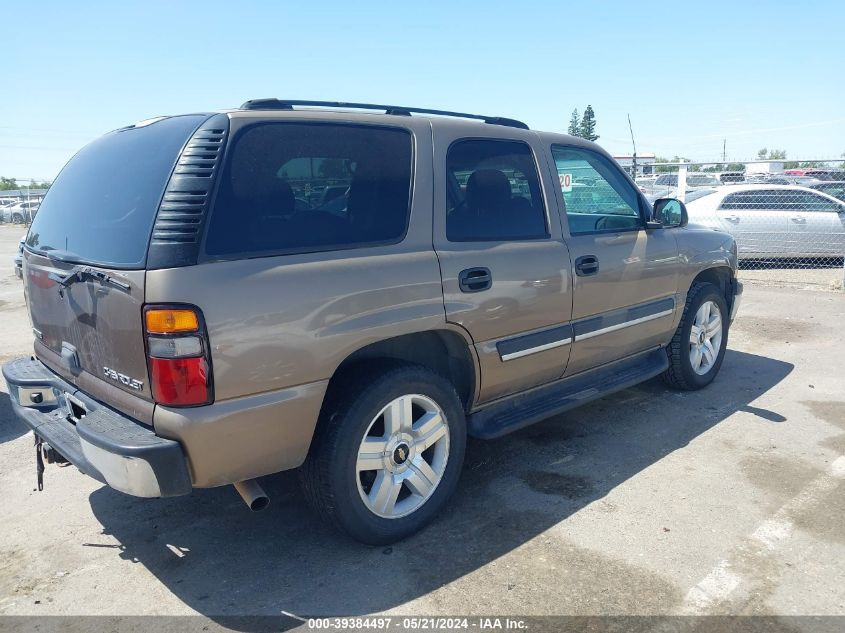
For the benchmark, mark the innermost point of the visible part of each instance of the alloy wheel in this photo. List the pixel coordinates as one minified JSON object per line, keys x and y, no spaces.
{"x":402,"y":456}
{"x":705,"y":338}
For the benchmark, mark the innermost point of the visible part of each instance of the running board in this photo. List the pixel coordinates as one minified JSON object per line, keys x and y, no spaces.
{"x":525,"y":409}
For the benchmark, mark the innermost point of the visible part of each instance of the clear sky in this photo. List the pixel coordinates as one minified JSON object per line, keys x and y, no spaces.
{"x":758,"y":74}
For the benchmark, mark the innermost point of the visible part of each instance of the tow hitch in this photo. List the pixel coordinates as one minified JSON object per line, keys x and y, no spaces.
{"x":45,"y":453}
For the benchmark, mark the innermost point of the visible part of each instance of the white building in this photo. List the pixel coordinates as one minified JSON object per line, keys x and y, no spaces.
{"x":764,"y":167}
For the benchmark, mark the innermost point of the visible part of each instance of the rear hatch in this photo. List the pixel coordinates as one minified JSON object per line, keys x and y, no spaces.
{"x":85,"y":260}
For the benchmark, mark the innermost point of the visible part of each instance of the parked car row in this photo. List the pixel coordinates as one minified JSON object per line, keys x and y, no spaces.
{"x":657,"y":185}
{"x":19,"y":212}
{"x":773,"y":221}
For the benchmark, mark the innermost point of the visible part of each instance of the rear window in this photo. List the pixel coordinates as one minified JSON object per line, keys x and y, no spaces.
{"x":102,"y":206}
{"x":293,"y":188}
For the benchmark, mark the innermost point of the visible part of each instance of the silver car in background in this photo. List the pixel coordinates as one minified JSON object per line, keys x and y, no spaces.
{"x":774,"y":221}
{"x":666,"y":184}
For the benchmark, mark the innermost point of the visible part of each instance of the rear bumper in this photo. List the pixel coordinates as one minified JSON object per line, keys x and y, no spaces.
{"x":103,"y":443}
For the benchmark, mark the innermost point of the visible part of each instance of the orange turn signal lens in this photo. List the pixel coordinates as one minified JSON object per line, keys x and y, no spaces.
{"x":170,"y":321}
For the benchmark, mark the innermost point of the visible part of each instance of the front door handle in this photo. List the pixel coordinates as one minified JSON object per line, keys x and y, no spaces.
{"x":586,"y":265}
{"x":731,"y":218}
{"x":475,"y":279}
{"x":798,"y":219}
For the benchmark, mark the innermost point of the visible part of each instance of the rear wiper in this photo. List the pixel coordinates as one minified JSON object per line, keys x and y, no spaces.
{"x":82,"y":273}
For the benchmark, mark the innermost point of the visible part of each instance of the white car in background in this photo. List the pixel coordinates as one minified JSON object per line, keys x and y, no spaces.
{"x":17,"y":260}
{"x":774,"y":221}
{"x":665,"y":184}
{"x":21,"y":212}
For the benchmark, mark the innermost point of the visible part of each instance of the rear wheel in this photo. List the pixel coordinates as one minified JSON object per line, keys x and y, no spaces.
{"x":387,"y":453}
{"x":17,"y":219}
{"x":698,"y":347}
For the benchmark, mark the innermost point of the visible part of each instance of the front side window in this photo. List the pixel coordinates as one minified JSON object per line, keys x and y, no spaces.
{"x":837,"y":190}
{"x":814,"y":202}
{"x":596,"y":194}
{"x":494,"y":192}
{"x":299,"y":187}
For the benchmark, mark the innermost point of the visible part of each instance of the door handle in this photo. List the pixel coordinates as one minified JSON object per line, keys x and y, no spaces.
{"x":731,"y":218}
{"x":475,"y":279}
{"x":586,"y":265}
{"x":798,"y":219}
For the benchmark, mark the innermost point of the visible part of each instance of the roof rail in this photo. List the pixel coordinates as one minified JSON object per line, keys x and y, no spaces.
{"x":288,"y":104}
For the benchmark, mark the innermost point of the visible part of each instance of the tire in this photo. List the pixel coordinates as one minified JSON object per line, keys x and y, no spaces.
{"x":682,"y":374}
{"x":366,"y":503}
{"x":17,"y":219}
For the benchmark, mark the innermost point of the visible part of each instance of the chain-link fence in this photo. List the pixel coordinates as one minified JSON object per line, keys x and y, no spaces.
{"x":788,"y":221}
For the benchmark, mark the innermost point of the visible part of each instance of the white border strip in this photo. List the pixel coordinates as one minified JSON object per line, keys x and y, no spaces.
{"x":539,"y":348}
{"x":619,"y":326}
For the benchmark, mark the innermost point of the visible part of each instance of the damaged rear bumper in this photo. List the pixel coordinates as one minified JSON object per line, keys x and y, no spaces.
{"x":101,"y":442}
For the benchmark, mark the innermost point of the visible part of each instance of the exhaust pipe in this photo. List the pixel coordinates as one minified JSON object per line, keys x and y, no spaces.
{"x":252,"y":494}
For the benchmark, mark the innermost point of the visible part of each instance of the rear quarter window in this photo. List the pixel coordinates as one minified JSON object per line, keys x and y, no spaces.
{"x":306,"y":187}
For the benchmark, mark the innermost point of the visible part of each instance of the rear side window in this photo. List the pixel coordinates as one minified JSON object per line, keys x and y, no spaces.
{"x":102,"y":206}
{"x":753,"y":200}
{"x":494,"y":192}
{"x":292,"y":187}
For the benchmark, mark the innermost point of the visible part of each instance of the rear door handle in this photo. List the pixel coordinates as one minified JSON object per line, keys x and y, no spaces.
{"x":798,"y":219}
{"x":475,"y":279}
{"x":586,"y":265}
{"x":731,"y":218}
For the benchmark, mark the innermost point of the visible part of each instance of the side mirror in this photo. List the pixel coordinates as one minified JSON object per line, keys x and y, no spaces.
{"x":669,"y":213}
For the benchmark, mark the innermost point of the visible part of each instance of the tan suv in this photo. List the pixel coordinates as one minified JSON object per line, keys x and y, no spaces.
{"x":347,"y":289}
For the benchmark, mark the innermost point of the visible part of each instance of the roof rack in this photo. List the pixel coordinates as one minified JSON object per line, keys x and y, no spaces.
{"x":288,"y":104}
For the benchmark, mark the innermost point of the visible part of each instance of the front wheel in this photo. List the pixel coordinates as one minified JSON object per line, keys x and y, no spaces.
{"x":387,"y":453}
{"x":17,"y":219}
{"x":698,"y":347}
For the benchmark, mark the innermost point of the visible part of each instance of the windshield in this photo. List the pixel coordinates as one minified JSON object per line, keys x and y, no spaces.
{"x":102,"y":206}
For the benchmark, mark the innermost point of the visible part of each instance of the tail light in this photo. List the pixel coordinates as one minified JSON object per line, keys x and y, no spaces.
{"x":178,"y":356}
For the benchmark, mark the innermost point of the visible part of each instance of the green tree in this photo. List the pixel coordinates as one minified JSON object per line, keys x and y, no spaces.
{"x":588,"y":125}
{"x":777,"y":154}
{"x":574,"y":128}
{"x":8,"y":183}
{"x":763,"y":154}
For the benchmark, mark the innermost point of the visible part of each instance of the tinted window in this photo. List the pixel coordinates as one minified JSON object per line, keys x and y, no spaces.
{"x":291,"y":187}
{"x":494,"y":192}
{"x":696,"y":180}
{"x":813,"y":202}
{"x":751,"y":200}
{"x":781,"y":200}
{"x":596,"y":194}
{"x":837,"y":190}
{"x":669,"y":180}
{"x":103,"y":203}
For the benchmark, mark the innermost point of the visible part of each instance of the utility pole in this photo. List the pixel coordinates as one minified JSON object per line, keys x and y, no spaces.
{"x":724,"y":154}
{"x":634,"y":157}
